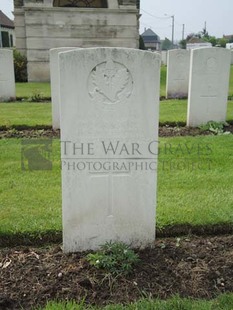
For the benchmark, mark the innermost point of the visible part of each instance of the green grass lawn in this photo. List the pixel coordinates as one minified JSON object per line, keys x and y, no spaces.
{"x":25,"y":113}
{"x":163,"y":76}
{"x":175,"y":111}
{"x":32,"y":114}
{"x":194,"y":180}
{"x":27,"y":90}
{"x":30,"y":201}
{"x":223,"y":302}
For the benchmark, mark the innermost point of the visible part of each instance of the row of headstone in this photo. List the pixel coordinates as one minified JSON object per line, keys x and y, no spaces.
{"x":202,"y":75}
{"x":109,"y":111}
{"x":7,"y":75}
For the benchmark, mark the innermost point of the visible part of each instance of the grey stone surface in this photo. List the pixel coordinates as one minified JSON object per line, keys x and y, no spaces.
{"x":164,"y":57}
{"x":7,"y":77}
{"x":178,"y":64}
{"x":55,"y":83}
{"x":209,"y":85}
{"x":109,"y":134}
{"x":40,"y":27}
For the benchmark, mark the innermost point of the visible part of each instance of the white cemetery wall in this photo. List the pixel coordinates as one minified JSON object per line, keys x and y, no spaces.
{"x":109,"y":132}
{"x":178,"y":65}
{"x":209,"y":84}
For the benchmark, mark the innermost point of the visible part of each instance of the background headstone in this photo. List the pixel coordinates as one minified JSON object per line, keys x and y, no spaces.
{"x":164,"y":57}
{"x":55,"y":85}
{"x":7,"y":76}
{"x":209,"y":85}
{"x":109,"y":131}
{"x":178,"y":64}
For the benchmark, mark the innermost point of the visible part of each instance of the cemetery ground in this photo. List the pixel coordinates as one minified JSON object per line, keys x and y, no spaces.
{"x":192,"y":257}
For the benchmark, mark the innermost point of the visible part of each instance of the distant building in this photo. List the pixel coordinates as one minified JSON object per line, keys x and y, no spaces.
{"x":44,"y":24}
{"x":151,"y":40}
{"x":7,"y":32}
{"x":196,"y":43}
{"x":228,"y":37}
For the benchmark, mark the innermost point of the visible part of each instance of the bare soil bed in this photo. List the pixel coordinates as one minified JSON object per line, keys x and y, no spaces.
{"x":171,"y":130}
{"x":164,"y":131}
{"x":198,"y":267}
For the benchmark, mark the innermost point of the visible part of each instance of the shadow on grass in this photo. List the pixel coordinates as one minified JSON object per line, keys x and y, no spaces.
{"x":54,"y":237}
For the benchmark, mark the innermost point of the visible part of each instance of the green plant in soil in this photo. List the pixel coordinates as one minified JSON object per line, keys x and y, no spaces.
{"x":215,"y":127}
{"x":114,"y":257}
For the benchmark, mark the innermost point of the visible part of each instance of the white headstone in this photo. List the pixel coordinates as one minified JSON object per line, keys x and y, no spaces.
{"x":109,"y":132}
{"x":178,"y":65}
{"x":164,"y":57}
{"x":7,"y":76}
{"x":54,"y":83}
{"x":209,"y":84}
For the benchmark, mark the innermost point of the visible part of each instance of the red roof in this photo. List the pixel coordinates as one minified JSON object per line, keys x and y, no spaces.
{"x":6,"y":21}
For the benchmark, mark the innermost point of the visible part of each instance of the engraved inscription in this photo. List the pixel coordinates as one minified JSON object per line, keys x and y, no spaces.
{"x":179,"y":57}
{"x":211,"y":64}
{"x":110,"y":82}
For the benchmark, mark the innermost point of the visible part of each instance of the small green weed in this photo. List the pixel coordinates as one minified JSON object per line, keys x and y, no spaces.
{"x":36,"y":97}
{"x":215,"y":127}
{"x":114,"y":257}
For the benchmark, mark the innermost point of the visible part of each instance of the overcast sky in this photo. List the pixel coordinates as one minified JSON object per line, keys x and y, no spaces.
{"x":192,"y":13}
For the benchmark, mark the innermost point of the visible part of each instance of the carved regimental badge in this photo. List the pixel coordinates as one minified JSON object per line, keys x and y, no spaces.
{"x":110,"y":82}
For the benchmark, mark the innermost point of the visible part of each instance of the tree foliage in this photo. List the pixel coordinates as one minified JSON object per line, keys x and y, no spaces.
{"x":204,"y":35}
{"x":166,"y":45}
{"x":20,"y":66}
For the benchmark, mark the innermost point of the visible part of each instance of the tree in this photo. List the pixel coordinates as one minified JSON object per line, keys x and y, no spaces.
{"x":141,"y":43}
{"x":222,"y":42}
{"x":166,"y":45}
{"x":204,"y":34}
{"x":183,"y":44}
{"x":212,"y":40}
{"x":20,"y":66}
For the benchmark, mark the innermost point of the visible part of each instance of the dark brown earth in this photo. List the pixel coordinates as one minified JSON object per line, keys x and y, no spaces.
{"x":198,"y":267}
{"x":171,"y":130}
